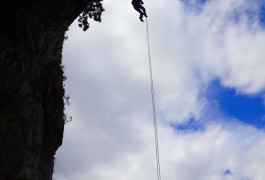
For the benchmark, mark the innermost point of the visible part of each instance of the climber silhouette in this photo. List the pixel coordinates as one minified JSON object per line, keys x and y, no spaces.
{"x":137,"y":5}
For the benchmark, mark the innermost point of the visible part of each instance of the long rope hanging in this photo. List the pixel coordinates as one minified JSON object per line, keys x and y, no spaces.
{"x":153,"y":104}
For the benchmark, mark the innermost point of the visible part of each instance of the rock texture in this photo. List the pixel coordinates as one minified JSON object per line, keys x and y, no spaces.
{"x":31,"y":84}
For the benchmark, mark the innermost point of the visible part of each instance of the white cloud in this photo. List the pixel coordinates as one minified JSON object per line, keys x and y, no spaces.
{"x":194,"y":155}
{"x":229,"y":49}
{"x":111,"y":135}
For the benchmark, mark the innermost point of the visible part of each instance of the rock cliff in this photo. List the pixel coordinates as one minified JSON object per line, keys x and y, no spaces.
{"x":31,"y":84}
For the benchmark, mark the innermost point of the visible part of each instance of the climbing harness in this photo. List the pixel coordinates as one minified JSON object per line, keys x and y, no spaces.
{"x":153,"y":104}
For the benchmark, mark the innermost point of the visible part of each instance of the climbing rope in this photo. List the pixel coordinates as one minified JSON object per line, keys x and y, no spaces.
{"x":153,"y":104}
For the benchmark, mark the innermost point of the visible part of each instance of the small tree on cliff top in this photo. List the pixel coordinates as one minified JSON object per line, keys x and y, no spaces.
{"x":93,"y":10}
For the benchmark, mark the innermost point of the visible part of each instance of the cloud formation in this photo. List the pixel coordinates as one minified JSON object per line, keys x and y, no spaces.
{"x":111,"y":135}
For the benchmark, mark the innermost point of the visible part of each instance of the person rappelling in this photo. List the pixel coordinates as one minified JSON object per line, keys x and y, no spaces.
{"x":138,"y":6}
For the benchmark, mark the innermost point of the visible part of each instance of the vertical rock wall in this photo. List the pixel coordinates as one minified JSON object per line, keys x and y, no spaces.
{"x":31,"y":85}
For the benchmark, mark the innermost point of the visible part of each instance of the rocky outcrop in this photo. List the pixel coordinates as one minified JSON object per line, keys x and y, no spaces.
{"x":31,"y":84}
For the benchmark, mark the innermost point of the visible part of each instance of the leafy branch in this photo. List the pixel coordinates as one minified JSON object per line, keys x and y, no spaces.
{"x":93,"y":11}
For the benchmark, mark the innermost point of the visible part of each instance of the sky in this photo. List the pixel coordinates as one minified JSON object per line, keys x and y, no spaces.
{"x":209,"y":81}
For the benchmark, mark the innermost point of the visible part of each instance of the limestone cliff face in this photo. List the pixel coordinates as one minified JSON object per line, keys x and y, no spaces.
{"x":31,"y":84}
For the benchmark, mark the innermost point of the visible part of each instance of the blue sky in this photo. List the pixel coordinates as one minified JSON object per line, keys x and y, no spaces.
{"x":209,"y":80}
{"x":262,"y":15}
{"x":248,"y":109}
